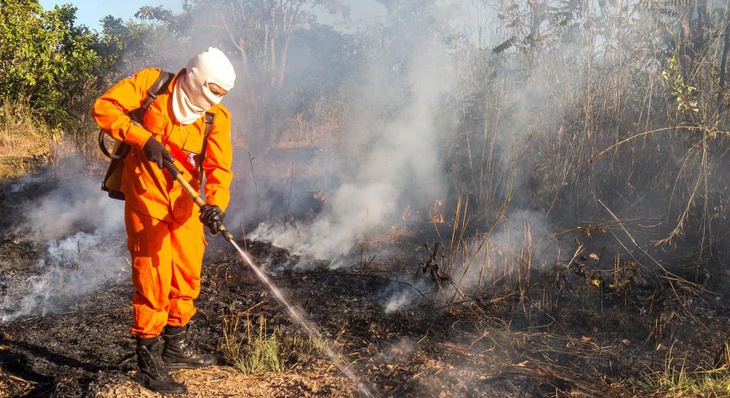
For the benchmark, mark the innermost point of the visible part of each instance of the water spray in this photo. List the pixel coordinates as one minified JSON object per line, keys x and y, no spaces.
{"x":298,"y":317}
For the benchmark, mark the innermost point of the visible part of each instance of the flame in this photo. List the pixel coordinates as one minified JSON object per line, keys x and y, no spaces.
{"x":320,"y":196}
{"x":437,"y":212}
{"x":407,"y":213}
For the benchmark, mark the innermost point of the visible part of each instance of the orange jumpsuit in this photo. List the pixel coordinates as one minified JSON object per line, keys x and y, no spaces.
{"x":165,"y":236}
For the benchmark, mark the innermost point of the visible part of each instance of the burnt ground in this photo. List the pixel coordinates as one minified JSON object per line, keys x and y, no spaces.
{"x":571,"y":332}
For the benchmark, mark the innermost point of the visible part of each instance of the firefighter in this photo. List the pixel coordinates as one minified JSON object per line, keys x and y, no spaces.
{"x":165,"y":231}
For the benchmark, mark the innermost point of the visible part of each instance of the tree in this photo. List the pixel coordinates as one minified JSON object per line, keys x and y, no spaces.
{"x":126,"y":47}
{"x":45,"y":59}
{"x":261,"y":31}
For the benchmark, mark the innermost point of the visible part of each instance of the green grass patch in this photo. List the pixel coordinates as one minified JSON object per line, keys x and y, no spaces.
{"x":253,"y":346}
{"x":675,"y":380}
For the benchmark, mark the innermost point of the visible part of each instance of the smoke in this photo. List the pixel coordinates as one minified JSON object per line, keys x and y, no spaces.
{"x":75,"y":206}
{"x":390,"y":161}
{"x":399,"y":296}
{"x":526,"y":238}
{"x":79,"y":235}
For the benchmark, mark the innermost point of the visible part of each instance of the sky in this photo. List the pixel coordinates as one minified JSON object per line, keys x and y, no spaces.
{"x":90,"y":12}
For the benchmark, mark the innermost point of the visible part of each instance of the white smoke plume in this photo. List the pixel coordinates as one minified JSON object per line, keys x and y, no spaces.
{"x":389,"y":163}
{"x":399,"y":296}
{"x":79,"y":233}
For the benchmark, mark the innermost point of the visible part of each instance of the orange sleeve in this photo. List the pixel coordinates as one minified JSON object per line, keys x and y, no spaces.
{"x":218,"y":160}
{"x":110,"y":109}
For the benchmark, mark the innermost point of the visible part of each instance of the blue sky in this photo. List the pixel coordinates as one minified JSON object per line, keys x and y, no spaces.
{"x":89,"y":12}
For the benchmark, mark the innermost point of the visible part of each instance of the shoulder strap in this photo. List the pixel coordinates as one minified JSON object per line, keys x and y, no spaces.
{"x":209,"y":119}
{"x":158,"y":87}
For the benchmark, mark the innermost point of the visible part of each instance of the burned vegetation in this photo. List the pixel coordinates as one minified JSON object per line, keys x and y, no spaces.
{"x":396,"y":314}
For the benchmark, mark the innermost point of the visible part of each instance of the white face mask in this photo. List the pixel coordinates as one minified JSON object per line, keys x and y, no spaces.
{"x":191,"y":96}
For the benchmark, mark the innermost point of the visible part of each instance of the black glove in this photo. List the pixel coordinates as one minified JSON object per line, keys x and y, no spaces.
{"x":212,"y":217}
{"x":156,"y":152}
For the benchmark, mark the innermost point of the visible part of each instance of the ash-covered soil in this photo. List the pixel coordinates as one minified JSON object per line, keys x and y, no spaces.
{"x":571,"y":334}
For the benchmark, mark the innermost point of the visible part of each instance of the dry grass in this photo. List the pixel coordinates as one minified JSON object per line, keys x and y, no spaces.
{"x":24,"y":141}
{"x":221,"y":381}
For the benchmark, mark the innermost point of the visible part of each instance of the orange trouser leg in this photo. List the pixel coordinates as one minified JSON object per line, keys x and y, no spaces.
{"x":188,"y":243}
{"x":166,"y":264}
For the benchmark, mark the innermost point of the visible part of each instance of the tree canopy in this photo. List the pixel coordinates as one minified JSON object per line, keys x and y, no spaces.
{"x":45,"y":58}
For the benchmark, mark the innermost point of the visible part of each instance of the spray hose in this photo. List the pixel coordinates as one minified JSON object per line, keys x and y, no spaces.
{"x":296,"y":315}
{"x":177,"y":174}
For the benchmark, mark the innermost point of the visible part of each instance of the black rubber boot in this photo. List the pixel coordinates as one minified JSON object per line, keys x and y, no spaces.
{"x":179,"y":351}
{"x":152,"y":373}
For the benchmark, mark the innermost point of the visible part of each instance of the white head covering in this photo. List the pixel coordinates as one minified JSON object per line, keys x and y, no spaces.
{"x":191,"y":96}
